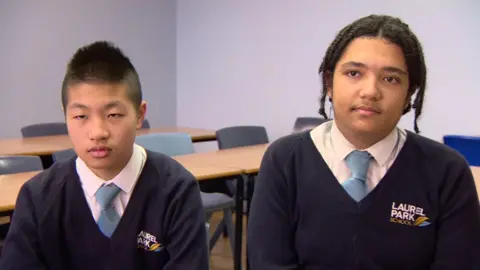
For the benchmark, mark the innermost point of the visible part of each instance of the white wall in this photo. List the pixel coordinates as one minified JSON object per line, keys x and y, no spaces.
{"x":39,"y":37}
{"x":256,"y":62}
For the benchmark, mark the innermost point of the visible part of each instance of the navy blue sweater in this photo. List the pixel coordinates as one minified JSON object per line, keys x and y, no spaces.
{"x":163,"y":225}
{"x":424,"y":214}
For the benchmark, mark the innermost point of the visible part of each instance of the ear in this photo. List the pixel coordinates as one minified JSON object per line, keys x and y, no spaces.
{"x":142,"y":111}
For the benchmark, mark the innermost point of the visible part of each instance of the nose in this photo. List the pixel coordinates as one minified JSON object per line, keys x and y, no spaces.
{"x":370,"y":89}
{"x":98,"y":129}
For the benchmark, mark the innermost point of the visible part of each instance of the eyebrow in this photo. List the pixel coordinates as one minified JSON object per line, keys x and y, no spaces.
{"x":77,"y":105}
{"x":108,"y":106}
{"x":113,"y":104}
{"x":387,"y":68}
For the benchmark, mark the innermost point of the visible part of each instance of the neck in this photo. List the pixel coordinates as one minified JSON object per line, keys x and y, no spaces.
{"x":362,"y":141}
{"x":107,"y":174}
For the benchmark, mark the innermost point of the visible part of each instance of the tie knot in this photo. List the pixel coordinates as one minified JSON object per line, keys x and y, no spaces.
{"x":358,"y":163}
{"x":105,"y":194}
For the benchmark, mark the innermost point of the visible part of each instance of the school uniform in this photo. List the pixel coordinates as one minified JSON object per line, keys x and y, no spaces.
{"x":421,"y":209}
{"x":161,"y":226}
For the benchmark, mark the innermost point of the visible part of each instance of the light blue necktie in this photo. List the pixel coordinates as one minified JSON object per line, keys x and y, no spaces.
{"x":109,"y":217}
{"x":358,"y":163}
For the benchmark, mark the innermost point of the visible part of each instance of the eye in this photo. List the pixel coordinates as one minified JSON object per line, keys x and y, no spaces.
{"x":352,"y":73}
{"x":393,"y":80}
{"x":115,"y":115}
{"x":80,"y":117}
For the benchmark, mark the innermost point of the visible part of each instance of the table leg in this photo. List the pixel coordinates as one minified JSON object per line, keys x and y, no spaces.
{"x":238,"y":224}
{"x":250,"y":188}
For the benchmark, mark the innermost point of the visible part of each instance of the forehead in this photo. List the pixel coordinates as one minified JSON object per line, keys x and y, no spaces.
{"x":374,"y":52}
{"x":91,"y":94}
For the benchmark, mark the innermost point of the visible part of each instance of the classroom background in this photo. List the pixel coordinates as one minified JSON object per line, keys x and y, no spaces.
{"x":212,"y":64}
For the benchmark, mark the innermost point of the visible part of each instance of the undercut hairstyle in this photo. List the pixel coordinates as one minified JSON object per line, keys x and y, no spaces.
{"x":393,"y":30}
{"x":102,"y":62}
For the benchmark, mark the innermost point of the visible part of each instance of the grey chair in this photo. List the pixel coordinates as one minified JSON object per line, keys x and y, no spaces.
{"x":145,"y":124}
{"x":44,"y":129}
{"x":239,"y":136}
{"x":307,"y":123}
{"x":16,"y":164}
{"x":63,"y":155}
{"x":174,"y":144}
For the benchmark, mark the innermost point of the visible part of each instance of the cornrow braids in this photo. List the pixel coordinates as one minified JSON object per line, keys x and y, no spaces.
{"x":393,"y":30}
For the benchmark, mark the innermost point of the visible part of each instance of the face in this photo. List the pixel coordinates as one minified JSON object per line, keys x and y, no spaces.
{"x":370,"y":87}
{"x":102,"y":124}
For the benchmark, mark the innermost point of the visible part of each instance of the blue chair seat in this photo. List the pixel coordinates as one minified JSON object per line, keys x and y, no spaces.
{"x":468,"y":146}
{"x":213,"y":202}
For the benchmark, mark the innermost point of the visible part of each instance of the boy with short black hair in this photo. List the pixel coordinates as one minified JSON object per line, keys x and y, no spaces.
{"x":116,"y":206}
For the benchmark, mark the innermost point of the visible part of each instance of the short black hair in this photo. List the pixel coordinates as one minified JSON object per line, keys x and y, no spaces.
{"x":392,"y":29}
{"x":102,"y":62}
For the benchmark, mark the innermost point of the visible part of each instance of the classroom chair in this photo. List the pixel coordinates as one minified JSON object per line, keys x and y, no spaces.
{"x":174,"y":144}
{"x":145,"y":124}
{"x":44,"y":129}
{"x":239,"y":136}
{"x":468,"y":146}
{"x":63,"y":155}
{"x":307,"y":123}
{"x":16,"y":164}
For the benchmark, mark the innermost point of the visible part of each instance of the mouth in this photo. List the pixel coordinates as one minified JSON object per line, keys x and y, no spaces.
{"x":367,"y":110}
{"x":99,"y":152}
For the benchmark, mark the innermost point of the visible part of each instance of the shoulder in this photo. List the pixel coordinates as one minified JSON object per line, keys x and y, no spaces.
{"x":436,"y":152}
{"x":169,"y":171}
{"x":44,"y":188}
{"x":285,"y":148}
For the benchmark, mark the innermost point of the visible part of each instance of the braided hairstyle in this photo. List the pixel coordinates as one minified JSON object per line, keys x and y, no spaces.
{"x":393,"y":30}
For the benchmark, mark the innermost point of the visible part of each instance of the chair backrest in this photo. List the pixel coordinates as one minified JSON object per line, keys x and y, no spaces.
{"x":170,"y":144}
{"x":63,"y":155}
{"x":307,"y":123}
{"x":145,"y":124}
{"x":238,"y":136}
{"x":18,"y":164}
{"x":44,"y":129}
{"x":468,"y":146}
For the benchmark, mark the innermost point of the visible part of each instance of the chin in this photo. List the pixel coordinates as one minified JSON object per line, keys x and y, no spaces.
{"x":365,"y":126}
{"x":99,"y":164}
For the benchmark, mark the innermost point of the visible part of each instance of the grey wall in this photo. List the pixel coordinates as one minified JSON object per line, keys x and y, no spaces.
{"x":39,"y":37}
{"x":217,"y":63}
{"x":256,"y":62}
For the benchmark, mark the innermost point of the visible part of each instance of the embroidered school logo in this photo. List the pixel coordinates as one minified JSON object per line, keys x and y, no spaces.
{"x":407,"y":214}
{"x":148,"y":242}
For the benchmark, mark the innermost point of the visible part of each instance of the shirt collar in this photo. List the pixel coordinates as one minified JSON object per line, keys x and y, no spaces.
{"x":125,"y":180}
{"x":380,"y":151}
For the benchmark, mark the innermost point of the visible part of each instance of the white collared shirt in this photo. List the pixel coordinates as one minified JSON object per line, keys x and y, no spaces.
{"x":125,"y":180}
{"x":334,"y":148}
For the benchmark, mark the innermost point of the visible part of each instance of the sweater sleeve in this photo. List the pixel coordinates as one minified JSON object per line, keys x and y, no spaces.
{"x":270,"y":229}
{"x":186,"y":235}
{"x":458,"y":236}
{"x":21,"y":250}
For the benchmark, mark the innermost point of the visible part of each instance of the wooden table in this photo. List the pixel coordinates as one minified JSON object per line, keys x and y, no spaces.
{"x":248,"y":158}
{"x":10,"y":185}
{"x":47,"y":145}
